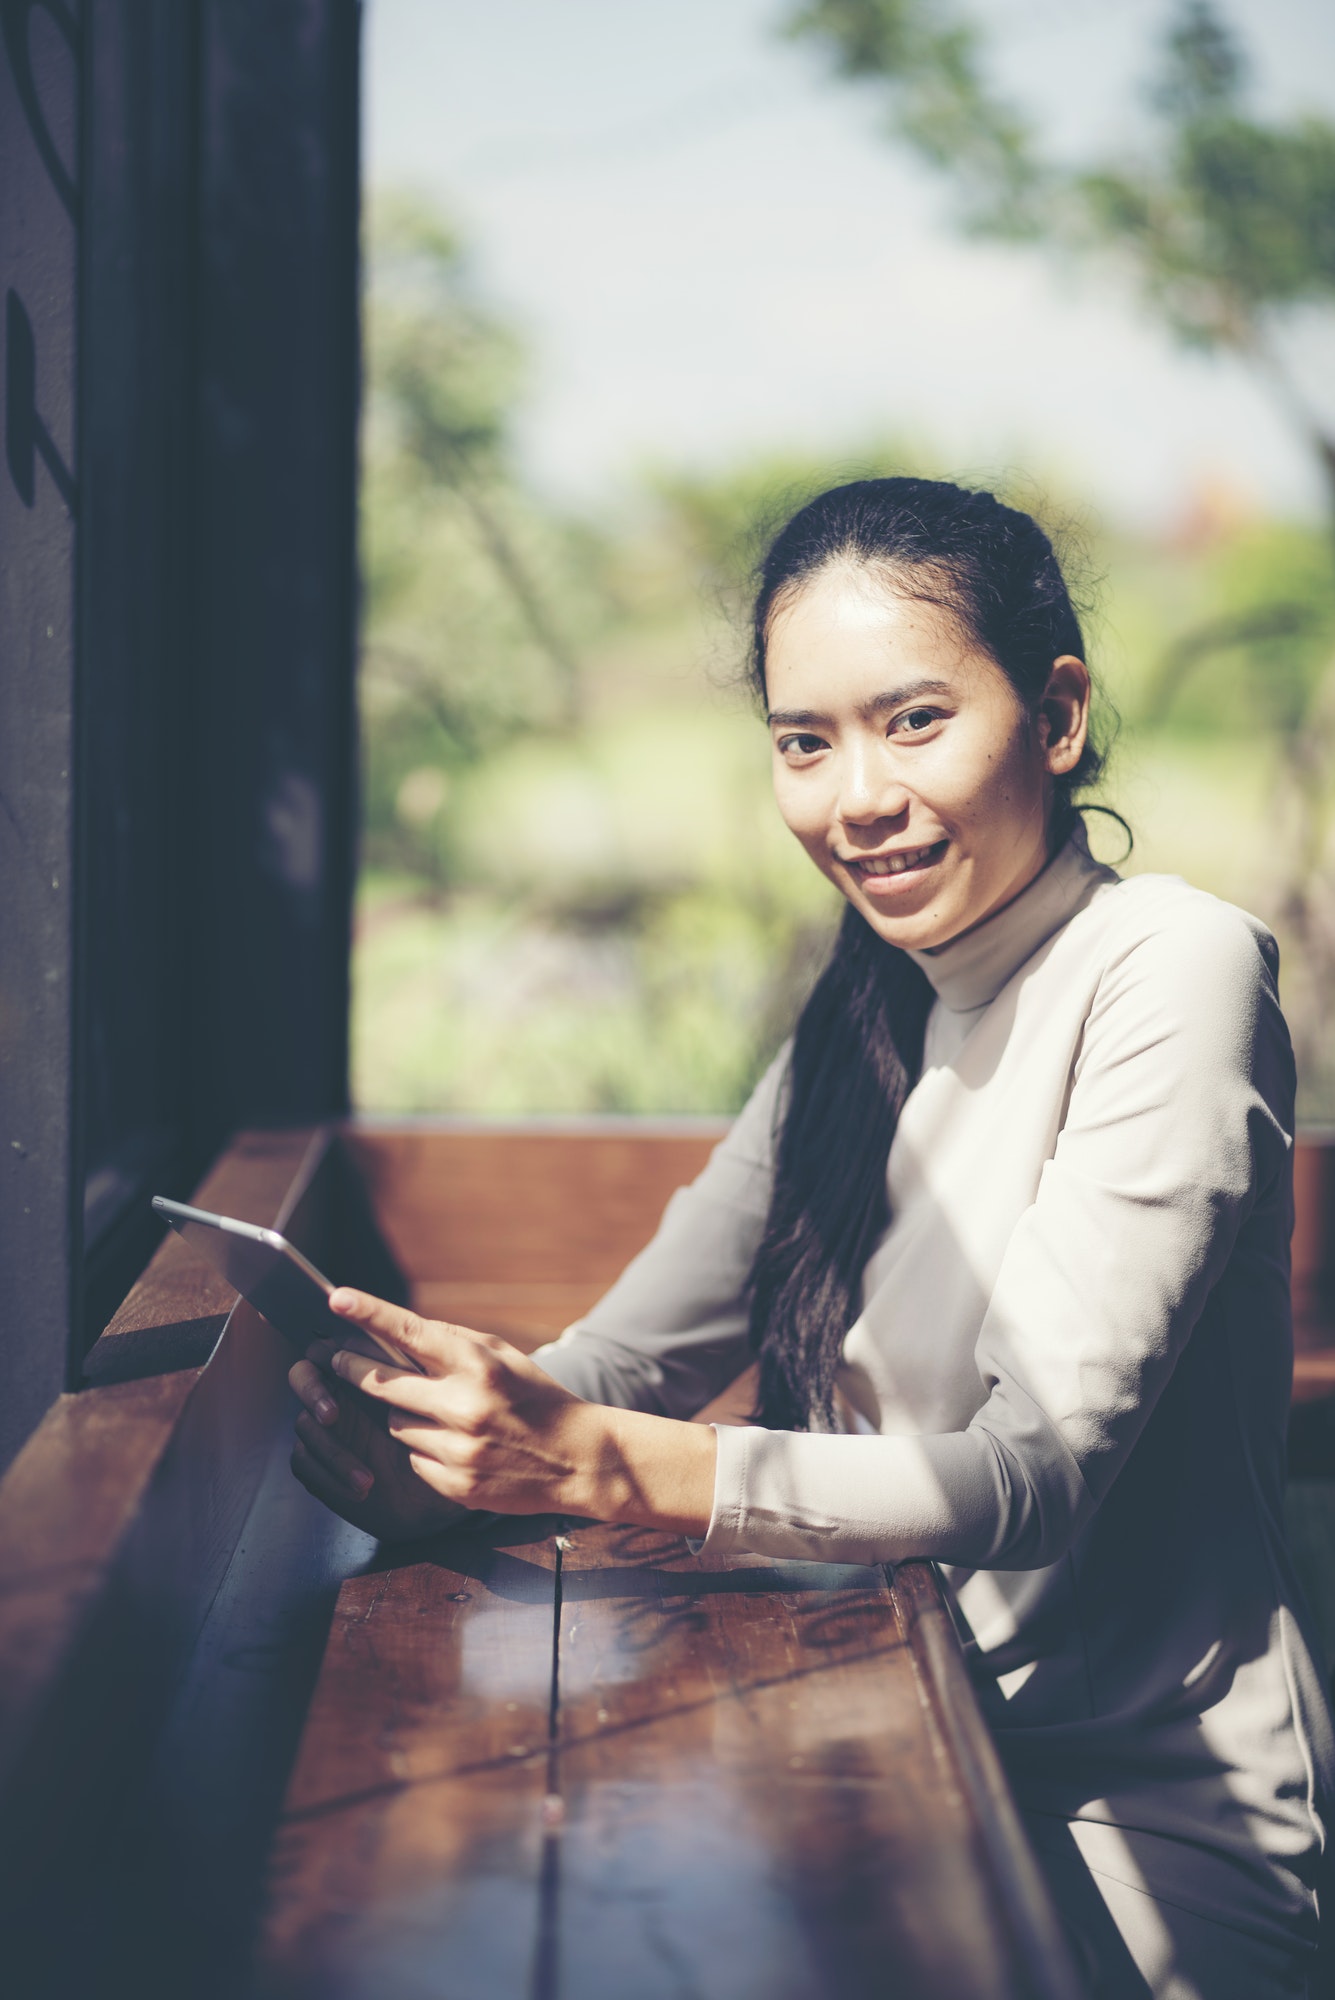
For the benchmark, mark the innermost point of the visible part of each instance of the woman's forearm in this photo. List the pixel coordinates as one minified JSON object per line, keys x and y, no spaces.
{"x":653,"y":1472}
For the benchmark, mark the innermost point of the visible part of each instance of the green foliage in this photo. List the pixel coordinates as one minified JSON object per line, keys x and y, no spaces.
{"x":492,"y":1010}
{"x":1203,"y":68}
{"x":443,"y":373}
{"x":577,"y":896}
{"x":928,"y":55}
{"x":1226,"y":220}
{"x":1236,"y":221}
{"x":722,"y":520}
{"x":475,"y":597}
{"x":1254,"y":615}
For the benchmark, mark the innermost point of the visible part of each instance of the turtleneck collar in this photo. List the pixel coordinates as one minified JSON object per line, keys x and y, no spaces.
{"x":970,"y":972}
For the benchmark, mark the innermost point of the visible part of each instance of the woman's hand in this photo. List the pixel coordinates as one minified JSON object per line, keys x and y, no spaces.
{"x":347,"y":1459}
{"x":484,"y":1427}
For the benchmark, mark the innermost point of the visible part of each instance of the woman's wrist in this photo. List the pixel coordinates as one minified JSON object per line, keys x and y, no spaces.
{"x":652,"y":1472}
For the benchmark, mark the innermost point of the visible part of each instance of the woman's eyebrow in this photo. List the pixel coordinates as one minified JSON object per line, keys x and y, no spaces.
{"x":796,"y":718}
{"x":911,"y":691}
{"x":813,"y":718}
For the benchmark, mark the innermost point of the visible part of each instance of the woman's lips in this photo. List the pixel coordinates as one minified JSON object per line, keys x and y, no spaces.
{"x":886,"y":874}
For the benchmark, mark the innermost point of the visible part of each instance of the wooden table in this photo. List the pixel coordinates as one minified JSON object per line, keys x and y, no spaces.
{"x":584,"y":1762}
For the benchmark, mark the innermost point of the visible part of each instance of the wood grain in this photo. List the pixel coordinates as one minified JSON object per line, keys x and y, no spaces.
{"x":1313,"y":1269}
{"x":522,"y":1207}
{"x":409,"y":1851}
{"x":66,"y":1503}
{"x":757,"y":1796}
{"x":759,"y":1801}
{"x":117,"y":1522}
{"x":172,"y":1317}
{"x":1314,"y":1240}
{"x":1313,"y":1374}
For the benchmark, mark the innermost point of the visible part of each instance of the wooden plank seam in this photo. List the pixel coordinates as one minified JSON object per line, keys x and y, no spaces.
{"x":546,"y":1967}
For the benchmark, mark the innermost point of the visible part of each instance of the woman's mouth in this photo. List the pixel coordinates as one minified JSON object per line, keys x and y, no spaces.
{"x":876,"y":872}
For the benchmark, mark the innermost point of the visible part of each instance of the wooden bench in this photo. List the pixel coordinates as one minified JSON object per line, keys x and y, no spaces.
{"x":243,"y":1750}
{"x":1314,"y":1268}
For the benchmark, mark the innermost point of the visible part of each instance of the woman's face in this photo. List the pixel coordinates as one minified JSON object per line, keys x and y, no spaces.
{"x":904,"y":760}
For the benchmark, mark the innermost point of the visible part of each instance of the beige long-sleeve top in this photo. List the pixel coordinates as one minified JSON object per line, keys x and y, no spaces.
{"x":1072,"y":1364}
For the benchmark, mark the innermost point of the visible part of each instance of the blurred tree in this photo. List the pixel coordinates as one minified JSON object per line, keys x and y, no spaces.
{"x":724,"y":518}
{"x":1228,"y":225}
{"x":469,"y":583}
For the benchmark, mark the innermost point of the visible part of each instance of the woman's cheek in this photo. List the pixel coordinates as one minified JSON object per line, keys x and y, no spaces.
{"x":783,"y":794}
{"x":980,"y":792}
{"x":802,"y":807}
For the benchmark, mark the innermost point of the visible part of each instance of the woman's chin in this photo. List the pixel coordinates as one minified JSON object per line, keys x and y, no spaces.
{"x":911,"y":911}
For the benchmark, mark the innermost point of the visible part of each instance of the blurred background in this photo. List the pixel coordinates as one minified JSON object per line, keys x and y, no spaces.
{"x":640,"y":279}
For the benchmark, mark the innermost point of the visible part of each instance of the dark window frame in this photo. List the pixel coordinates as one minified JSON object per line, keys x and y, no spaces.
{"x":178,"y":242}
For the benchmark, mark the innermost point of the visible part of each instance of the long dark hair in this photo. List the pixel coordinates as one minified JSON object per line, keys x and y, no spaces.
{"x":857,"y":1050}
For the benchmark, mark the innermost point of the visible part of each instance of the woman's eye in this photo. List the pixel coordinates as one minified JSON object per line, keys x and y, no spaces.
{"x":801,"y":746}
{"x":916,"y":720}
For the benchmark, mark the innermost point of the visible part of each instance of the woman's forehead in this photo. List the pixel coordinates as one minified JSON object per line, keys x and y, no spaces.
{"x":848,"y":624}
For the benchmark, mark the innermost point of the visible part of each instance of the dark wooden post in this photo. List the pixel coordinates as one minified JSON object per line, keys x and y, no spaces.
{"x":178,"y":253}
{"x":41,"y":69}
{"x":278,"y":358}
{"x":137,"y":778}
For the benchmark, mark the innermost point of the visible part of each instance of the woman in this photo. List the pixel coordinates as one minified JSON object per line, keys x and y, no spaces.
{"x":1006,"y":1230}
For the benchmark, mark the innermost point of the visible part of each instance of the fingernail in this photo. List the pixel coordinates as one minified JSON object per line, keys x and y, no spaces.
{"x":362,"y":1480}
{"x":338,"y":1362}
{"x":326,"y":1410}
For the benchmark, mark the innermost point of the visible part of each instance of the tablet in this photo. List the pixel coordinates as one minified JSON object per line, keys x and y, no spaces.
{"x":283,"y":1286}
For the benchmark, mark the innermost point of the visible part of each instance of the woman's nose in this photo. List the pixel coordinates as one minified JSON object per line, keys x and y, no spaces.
{"x":868,"y":791}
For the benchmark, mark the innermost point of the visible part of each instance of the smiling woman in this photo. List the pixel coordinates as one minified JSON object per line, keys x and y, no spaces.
{"x":924,"y":802}
{"x":993,"y":1266}
{"x":921,"y":664}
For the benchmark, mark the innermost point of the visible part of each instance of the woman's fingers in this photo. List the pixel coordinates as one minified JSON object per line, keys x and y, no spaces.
{"x":334,"y":1458}
{"x":426,"y":1344}
{"x":442,"y":1481}
{"x":317,"y":1479}
{"x":406,"y":1336}
{"x":322,"y":1351}
{"x":385,"y":1383}
{"x":311,"y":1388}
{"x":425,"y":1439}
{"x":470,"y":1416}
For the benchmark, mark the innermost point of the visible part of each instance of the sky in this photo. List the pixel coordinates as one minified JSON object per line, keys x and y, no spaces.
{"x":713,"y":252}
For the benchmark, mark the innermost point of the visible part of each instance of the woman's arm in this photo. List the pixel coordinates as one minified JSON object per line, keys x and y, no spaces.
{"x":484,"y":1427}
{"x":672,"y":1332}
{"x":361,"y":1471}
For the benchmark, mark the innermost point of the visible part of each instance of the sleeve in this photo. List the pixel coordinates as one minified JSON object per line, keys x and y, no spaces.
{"x":672,"y":1331}
{"x":1178,"y":1122}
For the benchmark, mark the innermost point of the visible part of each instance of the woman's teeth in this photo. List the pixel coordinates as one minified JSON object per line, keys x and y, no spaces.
{"x":895,"y":864}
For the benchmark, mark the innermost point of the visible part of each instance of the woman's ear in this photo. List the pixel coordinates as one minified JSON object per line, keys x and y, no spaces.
{"x":1063,"y":715}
